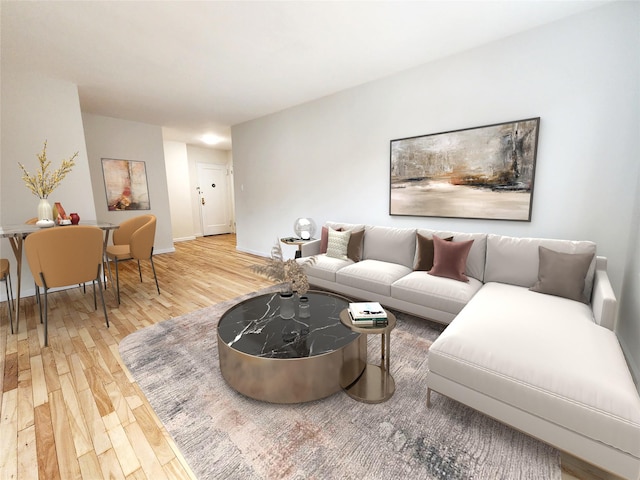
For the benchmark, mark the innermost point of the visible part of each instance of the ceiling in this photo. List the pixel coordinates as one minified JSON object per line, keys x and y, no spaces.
{"x":196,"y":67}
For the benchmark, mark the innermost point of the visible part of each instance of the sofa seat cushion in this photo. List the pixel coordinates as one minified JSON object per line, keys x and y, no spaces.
{"x":439,"y":293}
{"x":325,"y":267}
{"x":372,"y":275}
{"x":544,"y":355}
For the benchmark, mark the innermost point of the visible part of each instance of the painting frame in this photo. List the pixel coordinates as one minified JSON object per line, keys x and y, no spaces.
{"x":484,"y":173}
{"x":125,"y":184}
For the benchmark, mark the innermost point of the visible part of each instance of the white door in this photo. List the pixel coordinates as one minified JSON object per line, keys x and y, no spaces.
{"x":214,"y":199}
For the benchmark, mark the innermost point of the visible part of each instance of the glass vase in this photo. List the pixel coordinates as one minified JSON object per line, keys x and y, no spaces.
{"x":287,"y":306}
{"x":44,"y":210}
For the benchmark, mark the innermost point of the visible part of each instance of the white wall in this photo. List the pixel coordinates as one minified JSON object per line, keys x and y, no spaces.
{"x":628,"y":327}
{"x":35,"y":109}
{"x":180,"y":195}
{"x":329,"y":159}
{"x":125,"y":140}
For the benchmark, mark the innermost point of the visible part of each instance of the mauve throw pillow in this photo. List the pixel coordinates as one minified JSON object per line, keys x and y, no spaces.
{"x":450,"y":259}
{"x":424,"y":260}
{"x":324,"y":239}
{"x":562,"y":274}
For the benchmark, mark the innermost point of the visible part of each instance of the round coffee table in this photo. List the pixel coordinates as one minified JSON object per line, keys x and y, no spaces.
{"x":266,"y":357}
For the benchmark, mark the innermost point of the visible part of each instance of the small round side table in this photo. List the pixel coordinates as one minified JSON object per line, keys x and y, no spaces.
{"x":299,"y":242}
{"x":375,"y":384}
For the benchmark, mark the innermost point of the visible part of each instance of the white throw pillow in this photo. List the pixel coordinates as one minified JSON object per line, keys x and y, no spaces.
{"x":338,"y":244}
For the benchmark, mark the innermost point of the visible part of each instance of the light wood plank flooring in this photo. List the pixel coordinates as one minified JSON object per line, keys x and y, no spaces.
{"x":71,"y":410}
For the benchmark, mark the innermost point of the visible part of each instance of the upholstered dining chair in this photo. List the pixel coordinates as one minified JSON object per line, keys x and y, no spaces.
{"x":5,"y":276}
{"x":60,"y":257}
{"x":133,"y":240}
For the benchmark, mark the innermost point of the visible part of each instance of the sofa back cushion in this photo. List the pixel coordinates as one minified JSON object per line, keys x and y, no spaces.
{"x":516,"y":260}
{"x":477,"y":254}
{"x":388,"y":244}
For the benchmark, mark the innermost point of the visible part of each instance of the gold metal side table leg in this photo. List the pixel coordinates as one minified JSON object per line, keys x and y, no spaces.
{"x":375,"y":384}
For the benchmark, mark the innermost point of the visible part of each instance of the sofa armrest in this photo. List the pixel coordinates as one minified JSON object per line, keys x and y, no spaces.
{"x":603,"y":300}
{"x":310,"y":248}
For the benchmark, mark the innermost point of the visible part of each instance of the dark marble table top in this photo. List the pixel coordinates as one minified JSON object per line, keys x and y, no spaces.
{"x":255,"y":327}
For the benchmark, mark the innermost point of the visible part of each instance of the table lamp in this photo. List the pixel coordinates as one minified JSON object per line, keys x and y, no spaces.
{"x":305,"y":228}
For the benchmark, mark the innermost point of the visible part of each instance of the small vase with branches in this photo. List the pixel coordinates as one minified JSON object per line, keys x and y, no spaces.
{"x":43,"y":182}
{"x":290,"y":273}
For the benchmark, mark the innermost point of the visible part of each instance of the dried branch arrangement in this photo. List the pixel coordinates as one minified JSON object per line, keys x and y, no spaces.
{"x":43,"y":182}
{"x":289,"y":272}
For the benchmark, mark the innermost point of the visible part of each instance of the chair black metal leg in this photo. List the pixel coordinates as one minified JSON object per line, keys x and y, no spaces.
{"x":46,"y":319}
{"x":140,"y":271}
{"x":13,"y":303}
{"x":9,"y":302}
{"x":104,"y":306}
{"x":39,"y":302}
{"x":95,"y":303}
{"x":117,"y":281}
{"x":46,"y":311}
{"x":154,"y":273}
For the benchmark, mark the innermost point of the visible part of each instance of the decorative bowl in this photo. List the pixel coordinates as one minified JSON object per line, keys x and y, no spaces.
{"x":45,"y":223}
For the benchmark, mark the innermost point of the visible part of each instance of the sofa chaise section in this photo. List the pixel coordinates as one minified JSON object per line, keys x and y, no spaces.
{"x":549,"y":366}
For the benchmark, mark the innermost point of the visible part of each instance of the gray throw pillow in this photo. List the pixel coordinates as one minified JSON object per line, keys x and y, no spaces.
{"x":562,"y":274}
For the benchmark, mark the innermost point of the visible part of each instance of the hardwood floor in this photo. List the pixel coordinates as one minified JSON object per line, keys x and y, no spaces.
{"x":71,"y":410}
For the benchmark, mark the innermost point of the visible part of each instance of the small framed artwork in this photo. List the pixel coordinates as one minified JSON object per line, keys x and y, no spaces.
{"x":125,"y":183}
{"x":483,"y":172}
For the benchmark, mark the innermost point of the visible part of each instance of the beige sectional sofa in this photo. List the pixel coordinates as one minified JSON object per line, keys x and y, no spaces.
{"x":545,"y":364}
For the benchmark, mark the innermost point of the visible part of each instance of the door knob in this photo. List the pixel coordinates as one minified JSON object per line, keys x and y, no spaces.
{"x":202,"y":200}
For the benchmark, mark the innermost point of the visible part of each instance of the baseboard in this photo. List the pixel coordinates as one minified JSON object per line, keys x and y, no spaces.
{"x":184,"y":239}
{"x":164,"y":250}
{"x":252,"y":252}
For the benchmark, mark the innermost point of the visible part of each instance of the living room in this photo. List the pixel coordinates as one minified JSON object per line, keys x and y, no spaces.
{"x":328,"y":159}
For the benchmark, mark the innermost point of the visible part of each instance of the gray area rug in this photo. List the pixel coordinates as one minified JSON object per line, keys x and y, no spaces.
{"x":223,"y":434}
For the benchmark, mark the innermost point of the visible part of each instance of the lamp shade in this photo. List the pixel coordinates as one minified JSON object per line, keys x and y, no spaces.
{"x":304,"y":228}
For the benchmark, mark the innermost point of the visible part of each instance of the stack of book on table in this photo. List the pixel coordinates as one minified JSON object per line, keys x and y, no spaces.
{"x":368,"y":314}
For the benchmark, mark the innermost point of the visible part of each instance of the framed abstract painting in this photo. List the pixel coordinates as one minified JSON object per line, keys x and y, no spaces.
{"x":483,"y":172}
{"x":125,"y":183}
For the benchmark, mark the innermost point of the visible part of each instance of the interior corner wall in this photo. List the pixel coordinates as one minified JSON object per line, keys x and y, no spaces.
{"x":329,"y":159}
{"x":179,"y":185}
{"x":628,"y":326}
{"x":35,"y":109}
{"x":108,"y":137}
